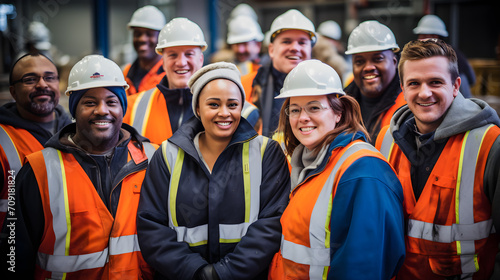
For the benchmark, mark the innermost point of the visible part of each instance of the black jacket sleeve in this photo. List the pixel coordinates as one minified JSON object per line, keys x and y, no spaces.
{"x":492,"y":190}
{"x":26,"y":228}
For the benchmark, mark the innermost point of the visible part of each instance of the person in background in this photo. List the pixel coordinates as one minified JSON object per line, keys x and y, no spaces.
{"x":245,"y":39}
{"x":157,"y":113}
{"x":76,"y":197}
{"x":27,"y":123}
{"x":446,"y":151}
{"x":146,"y":71}
{"x":431,"y":26}
{"x":345,"y":215}
{"x":292,"y":38}
{"x":376,"y":82}
{"x":214,"y":192}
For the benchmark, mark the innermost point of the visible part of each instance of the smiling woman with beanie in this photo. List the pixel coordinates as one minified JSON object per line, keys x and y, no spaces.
{"x":214,"y":192}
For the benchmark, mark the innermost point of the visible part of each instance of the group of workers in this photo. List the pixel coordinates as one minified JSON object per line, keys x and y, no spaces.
{"x":175,"y":170}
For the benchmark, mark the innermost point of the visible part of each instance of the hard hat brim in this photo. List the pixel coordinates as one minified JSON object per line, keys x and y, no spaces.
{"x":95,"y":85}
{"x":159,"y":49}
{"x":309,"y":92}
{"x":363,"y":49}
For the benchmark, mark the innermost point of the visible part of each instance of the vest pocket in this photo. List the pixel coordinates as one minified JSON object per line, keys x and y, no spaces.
{"x":446,"y":265}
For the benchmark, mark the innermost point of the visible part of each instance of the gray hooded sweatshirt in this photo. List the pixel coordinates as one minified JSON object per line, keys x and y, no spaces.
{"x":424,"y":150}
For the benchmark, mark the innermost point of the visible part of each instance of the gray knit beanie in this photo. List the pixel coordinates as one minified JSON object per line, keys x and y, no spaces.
{"x":214,"y":71}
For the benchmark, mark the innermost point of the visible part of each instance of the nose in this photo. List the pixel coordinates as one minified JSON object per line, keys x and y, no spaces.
{"x":241,"y":48}
{"x":181,"y":60}
{"x":101,"y":109}
{"x":303,"y":115}
{"x":223,"y":111}
{"x":295,"y":46}
{"x":42,"y":83}
{"x":425,"y":91}
{"x":369,"y":66}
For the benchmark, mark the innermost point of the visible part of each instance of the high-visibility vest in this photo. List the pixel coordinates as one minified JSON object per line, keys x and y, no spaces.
{"x":305,"y":248}
{"x":15,"y":144}
{"x":149,"y":81}
{"x":149,"y":115}
{"x":81,"y":239}
{"x":253,"y":152}
{"x":385,"y":118}
{"x":449,"y":229}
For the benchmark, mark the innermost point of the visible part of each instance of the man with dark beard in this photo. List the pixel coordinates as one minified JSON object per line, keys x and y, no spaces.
{"x":27,"y":123}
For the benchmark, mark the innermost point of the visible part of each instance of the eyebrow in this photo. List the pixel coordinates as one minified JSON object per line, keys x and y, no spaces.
{"x":35,"y":74}
{"x":215,"y":98}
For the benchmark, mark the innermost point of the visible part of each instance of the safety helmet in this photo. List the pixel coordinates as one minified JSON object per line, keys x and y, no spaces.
{"x":95,"y":71}
{"x":148,"y":17}
{"x":180,"y":32}
{"x":371,"y":36}
{"x":243,"y":10}
{"x":431,"y":24}
{"x":39,"y":35}
{"x":293,"y":19}
{"x":330,"y":29}
{"x":309,"y":78}
{"x":243,"y":29}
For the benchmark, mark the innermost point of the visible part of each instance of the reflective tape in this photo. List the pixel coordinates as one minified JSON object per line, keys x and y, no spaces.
{"x":10,"y":150}
{"x":141,"y":110}
{"x":123,"y":244}
{"x":65,"y":264}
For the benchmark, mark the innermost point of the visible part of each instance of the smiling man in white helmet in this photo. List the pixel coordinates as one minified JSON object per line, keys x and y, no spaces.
{"x":245,"y":39}
{"x":374,"y":65}
{"x":292,"y":38}
{"x":77,"y":196}
{"x":146,"y":71}
{"x":157,"y":113}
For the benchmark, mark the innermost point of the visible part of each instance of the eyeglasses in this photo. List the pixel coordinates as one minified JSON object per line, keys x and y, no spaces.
{"x":312,"y":108}
{"x":34,"y":79}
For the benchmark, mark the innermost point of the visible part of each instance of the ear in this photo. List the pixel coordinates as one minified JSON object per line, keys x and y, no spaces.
{"x":270,"y":49}
{"x":456,"y":86}
{"x":13,"y":92}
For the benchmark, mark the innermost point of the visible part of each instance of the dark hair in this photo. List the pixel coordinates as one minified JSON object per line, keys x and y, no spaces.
{"x":19,"y":59}
{"x":350,"y":122}
{"x":417,"y":49}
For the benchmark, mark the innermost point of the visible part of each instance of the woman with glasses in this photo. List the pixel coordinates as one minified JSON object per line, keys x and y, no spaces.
{"x":345,"y":215}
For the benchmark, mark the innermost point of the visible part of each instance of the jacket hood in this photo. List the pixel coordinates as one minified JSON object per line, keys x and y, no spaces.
{"x":10,"y":116}
{"x":463,"y":115}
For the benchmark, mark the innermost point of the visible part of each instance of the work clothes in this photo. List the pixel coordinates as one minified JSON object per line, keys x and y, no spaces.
{"x":18,"y":138}
{"x":75,"y":209}
{"x":345,"y":216}
{"x":450,"y":180}
{"x":381,"y":112}
{"x":190,"y":216}
{"x":148,"y":81}
{"x":261,"y":88}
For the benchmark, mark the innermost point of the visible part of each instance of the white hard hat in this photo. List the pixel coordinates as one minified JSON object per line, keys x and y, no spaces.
{"x":180,"y":32}
{"x":431,"y":24}
{"x":39,"y":35}
{"x":330,"y":29}
{"x":293,"y":19}
{"x":148,"y":17}
{"x":243,"y":10}
{"x":95,"y":71}
{"x":371,"y":36}
{"x":243,"y":29}
{"x":309,"y":78}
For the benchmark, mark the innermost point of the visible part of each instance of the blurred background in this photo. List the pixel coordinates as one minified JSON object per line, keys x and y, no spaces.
{"x":71,"y":29}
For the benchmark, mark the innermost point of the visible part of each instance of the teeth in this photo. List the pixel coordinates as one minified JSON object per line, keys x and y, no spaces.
{"x":224,"y":123}
{"x":181,"y":71}
{"x":370,"y":77}
{"x":306,"y":129}
{"x":426,"y":104}
{"x":294,"y":57}
{"x":101,"y":123}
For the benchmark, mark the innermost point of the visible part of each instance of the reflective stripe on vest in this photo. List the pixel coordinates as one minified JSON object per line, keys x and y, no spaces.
{"x":12,"y":156}
{"x":317,"y":256}
{"x":142,"y":109}
{"x":149,"y":150}
{"x":59,"y":207}
{"x":123,"y":244}
{"x":247,"y":109}
{"x":252,"y":155}
{"x":387,"y":144}
{"x":464,"y":232}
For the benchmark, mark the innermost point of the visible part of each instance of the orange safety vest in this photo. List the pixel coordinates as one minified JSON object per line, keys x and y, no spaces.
{"x":387,"y":116}
{"x":81,"y":239}
{"x":15,"y":145}
{"x":305,"y":243}
{"x":149,"y":115}
{"x":246,"y":82}
{"x":449,"y":229}
{"x":150,"y":80}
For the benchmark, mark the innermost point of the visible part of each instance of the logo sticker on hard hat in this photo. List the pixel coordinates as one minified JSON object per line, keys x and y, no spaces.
{"x":96,"y":75}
